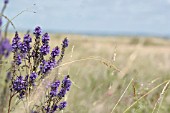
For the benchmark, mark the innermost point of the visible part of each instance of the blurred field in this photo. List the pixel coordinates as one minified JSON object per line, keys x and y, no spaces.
{"x":146,"y":60}
{"x":98,"y":85}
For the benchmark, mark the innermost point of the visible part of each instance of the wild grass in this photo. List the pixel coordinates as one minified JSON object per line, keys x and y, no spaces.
{"x":113,"y":75}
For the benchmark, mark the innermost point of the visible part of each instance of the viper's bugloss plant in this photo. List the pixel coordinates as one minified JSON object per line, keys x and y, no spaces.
{"x":31,"y":65}
{"x":55,"y":93}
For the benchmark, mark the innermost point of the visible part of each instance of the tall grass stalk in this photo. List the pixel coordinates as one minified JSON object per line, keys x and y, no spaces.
{"x":153,"y":89}
{"x":121,"y":96}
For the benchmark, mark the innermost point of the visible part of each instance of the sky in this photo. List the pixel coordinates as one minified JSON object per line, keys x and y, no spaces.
{"x":147,"y":17}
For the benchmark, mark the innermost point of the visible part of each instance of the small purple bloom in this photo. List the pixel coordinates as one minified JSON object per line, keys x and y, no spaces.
{"x":33,"y":76}
{"x":62,"y":93}
{"x":45,"y":49}
{"x":65,"y":43}
{"x":23,"y":47}
{"x":37,"y":31}
{"x":55,"y":52}
{"x":54,"y":88}
{"x":27,"y":39}
{"x":55,"y":108}
{"x":45,"y":38}
{"x":55,"y":85}
{"x":47,"y":66}
{"x":19,"y":84}
{"x":18,"y":60}
{"x":62,"y":105}
{"x":16,"y":42}
{"x":21,"y":94}
{"x":66,"y":83}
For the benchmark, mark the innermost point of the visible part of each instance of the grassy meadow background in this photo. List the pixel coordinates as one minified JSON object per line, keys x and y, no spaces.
{"x":101,"y":69}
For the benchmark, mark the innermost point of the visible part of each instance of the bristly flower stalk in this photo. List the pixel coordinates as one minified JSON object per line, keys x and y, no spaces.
{"x":36,"y":68}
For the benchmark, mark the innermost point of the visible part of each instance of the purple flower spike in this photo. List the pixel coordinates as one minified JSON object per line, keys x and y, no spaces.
{"x":62,"y":93}
{"x":55,"y":52}
{"x":65,"y":43}
{"x":54,"y":88}
{"x":45,"y":49}
{"x":33,"y":76}
{"x":45,"y":38}
{"x":55,"y":108}
{"x":66,"y":83}
{"x":62,"y":105}
{"x":19,"y":84}
{"x":16,"y":42}
{"x":27,"y":38}
{"x":23,"y":47}
{"x":37,"y":31}
{"x":47,"y":66}
{"x":18,"y":60}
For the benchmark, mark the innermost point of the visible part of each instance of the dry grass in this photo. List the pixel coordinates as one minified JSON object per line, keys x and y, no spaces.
{"x":98,"y":85}
{"x":102,"y":86}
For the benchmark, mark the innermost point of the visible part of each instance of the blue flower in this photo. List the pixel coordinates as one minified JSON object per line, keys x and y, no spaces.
{"x":62,"y":93}
{"x":45,"y":38}
{"x":54,"y":88}
{"x":19,"y":84}
{"x":18,"y":59}
{"x":62,"y":105}
{"x":46,"y":66}
{"x":65,"y":43}
{"x":33,"y":77}
{"x":45,"y":49}
{"x":16,"y":42}
{"x":55,"y":108}
{"x":37,"y":31}
{"x":23,"y":47}
{"x":55,"y":52}
{"x":27,"y":39}
{"x":66,"y":83}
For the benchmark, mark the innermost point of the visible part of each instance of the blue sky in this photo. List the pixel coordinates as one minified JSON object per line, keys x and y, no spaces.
{"x":94,"y":16}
